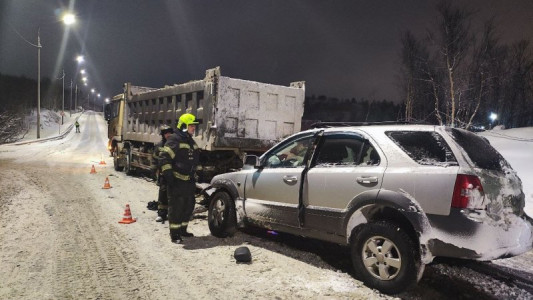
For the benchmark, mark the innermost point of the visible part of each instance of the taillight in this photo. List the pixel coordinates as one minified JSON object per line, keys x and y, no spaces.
{"x":468,"y":192}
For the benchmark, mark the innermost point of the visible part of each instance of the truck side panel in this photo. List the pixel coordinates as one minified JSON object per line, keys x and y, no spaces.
{"x":254,"y":116}
{"x":146,"y":112}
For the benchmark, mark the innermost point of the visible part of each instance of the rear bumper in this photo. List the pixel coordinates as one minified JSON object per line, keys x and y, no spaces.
{"x":474,"y":235}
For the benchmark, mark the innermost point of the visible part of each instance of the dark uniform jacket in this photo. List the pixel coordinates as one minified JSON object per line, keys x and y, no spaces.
{"x":156,"y":159}
{"x":180,"y":155}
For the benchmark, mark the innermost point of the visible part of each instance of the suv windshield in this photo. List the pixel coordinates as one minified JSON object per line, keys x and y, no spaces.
{"x":482,"y":154}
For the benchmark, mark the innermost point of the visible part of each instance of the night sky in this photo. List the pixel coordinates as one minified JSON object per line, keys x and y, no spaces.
{"x":342,"y":48}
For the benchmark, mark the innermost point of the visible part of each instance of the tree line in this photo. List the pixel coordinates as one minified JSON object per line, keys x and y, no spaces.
{"x":329,"y":109}
{"x":455,"y":76}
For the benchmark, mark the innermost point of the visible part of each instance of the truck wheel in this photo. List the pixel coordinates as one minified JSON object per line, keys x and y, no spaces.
{"x":385,"y":257}
{"x":221,"y":215}
{"x":116,"y":164}
{"x":127,"y":168}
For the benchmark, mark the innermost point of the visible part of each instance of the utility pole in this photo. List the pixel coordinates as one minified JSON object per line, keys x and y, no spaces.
{"x":39,"y":83}
{"x":63,"y":107}
{"x":70,"y":106}
{"x":76,"y":98}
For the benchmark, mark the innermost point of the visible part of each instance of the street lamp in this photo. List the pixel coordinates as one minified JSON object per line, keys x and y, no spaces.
{"x":39,"y":83}
{"x":98,"y":95}
{"x":92,"y":92}
{"x":63,"y":107}
{"x":492,"y":117}
{"x":68,"y":19}
{"x":106,"y":100}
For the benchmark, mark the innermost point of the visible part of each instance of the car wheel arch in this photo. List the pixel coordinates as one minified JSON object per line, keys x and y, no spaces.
{"x":393,"y":207}
{"x":228,"y":186}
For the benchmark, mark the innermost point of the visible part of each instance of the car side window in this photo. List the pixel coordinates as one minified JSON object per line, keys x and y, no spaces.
{"x":424,"y":147}
{"x":346,"y":150}
{"x":289,"y":155}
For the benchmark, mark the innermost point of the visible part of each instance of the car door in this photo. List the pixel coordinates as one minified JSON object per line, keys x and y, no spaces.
{"x":345,"y":166}
{"x":272,"y":191}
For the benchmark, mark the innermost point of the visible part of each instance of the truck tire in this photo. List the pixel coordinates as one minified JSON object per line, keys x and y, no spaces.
{"x":221,"y":216}
{"x":116,"y":164}
{"x":385,"y":257}
{"x":127,"y":168}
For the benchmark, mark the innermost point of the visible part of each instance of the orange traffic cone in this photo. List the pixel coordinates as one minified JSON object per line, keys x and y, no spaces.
{"x":93,"y":170}
{"x":102,"y":162}
{"x":127,"y":219}
{"x":106,"y":184}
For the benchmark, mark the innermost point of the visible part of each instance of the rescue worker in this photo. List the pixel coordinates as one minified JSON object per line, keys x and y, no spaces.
{"x":179,"y":159}
{"x":162,"y":199}
{"x":77,"y":126}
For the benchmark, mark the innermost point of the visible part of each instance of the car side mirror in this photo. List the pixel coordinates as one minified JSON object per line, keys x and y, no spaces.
{"x":252,"y":161}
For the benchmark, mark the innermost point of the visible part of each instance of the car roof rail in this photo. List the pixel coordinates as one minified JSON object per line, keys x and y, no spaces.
{"x":347,"y":124}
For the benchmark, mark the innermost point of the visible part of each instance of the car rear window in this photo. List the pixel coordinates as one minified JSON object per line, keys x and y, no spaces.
{"x":424,"y":147}
{"x":482,"y":154}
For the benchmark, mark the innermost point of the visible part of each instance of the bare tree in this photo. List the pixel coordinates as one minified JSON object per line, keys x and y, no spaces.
{"x":518,"y":107}
{"x":485,"y":56}
{"x":453,"y":42}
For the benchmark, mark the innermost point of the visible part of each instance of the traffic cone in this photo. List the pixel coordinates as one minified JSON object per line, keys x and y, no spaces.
{"x":106,"y":184}
{"x":93,"y":170}
{"x":127,"y":219}
{"x":102,"y":162}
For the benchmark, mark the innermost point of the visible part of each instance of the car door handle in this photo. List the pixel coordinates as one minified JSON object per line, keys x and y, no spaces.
{"x":367,"y":180}
{"x":290,"y":179}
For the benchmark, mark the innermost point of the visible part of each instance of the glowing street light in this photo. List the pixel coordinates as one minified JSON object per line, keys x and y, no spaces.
{"x":69,"y":18}
{"x":80,"y":59}
{"x":106,"y":101}
{"x":492,"y":117}
{"x":82,"y":71}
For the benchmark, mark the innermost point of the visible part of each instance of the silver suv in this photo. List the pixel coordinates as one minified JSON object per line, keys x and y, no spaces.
{"x":397,"y":195}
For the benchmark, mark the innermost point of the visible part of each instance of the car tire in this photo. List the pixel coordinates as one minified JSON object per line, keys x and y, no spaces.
{"x":116,"y":164}
{"x":221,"y":216}
{"x":385,"y":257}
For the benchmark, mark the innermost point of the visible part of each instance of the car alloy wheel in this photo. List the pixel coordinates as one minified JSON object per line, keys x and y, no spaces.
{"x":381,"y":258}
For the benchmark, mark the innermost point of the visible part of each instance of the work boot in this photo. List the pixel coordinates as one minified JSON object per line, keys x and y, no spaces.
{"x":184,"y":233}
{"x":176,"y":238}
{"x":159,"y":219}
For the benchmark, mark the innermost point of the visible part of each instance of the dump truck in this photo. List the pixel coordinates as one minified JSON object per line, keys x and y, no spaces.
{"x":236,"y":117}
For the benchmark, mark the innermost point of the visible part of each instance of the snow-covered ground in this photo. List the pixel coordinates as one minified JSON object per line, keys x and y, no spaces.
{"x":59,"y":232}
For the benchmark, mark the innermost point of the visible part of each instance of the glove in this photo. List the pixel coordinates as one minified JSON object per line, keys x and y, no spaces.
{"x":169,"y":177}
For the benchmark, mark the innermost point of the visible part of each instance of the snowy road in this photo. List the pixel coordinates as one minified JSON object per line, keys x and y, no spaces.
{"x":60,"y":239}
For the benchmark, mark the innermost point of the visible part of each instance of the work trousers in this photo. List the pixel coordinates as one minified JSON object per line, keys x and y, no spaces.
{"x":162,"y":199}
{"x":180,"y":205}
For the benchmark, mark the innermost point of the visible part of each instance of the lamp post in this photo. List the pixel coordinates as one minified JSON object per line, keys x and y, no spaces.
{"x":63,"y":106}
{"x":68,"y":19}
{"x":492,"y":117}
{"x":92,"y":92}
{"x":76,"y":99}
{"x":106,"y":100}
{"x":39,"y":83}
{"x":98,"y":95}
{"x":70,"y":106}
